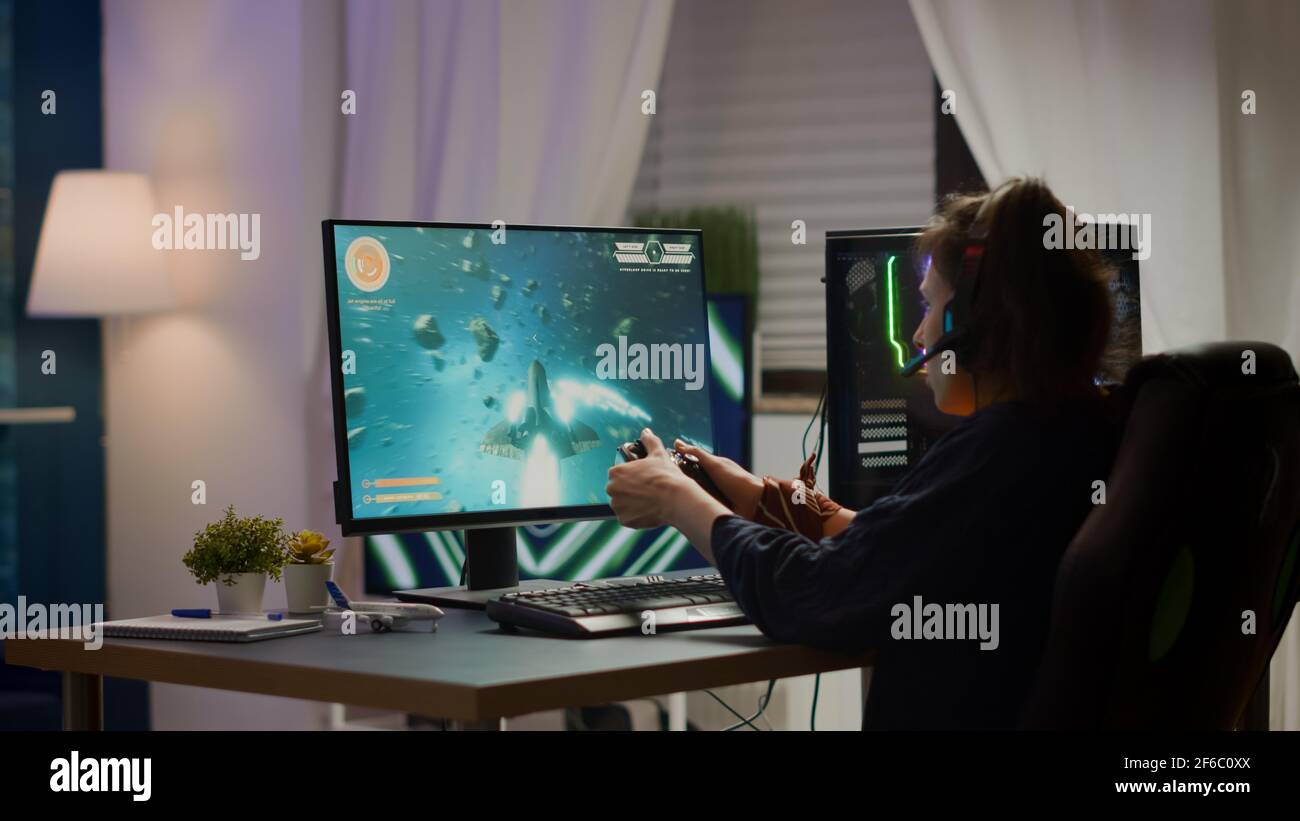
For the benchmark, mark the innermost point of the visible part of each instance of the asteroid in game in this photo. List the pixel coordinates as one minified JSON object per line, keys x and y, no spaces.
{"x":486,"y":338}
{"x":354,"y":399}
{"x":427,"y":333}
{"x":624,"y":327}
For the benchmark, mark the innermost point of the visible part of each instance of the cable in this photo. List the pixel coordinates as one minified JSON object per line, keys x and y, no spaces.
{"x":803,"y":442}
{"x":762,"y":707}
{"x":821,"y":437}
{"x":819,"y":418}
{"x":743,"y":720}
{"x":727,"y":707}
{"x":817,"y":686}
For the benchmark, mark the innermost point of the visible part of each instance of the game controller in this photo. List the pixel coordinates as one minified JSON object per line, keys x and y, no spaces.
{"x":690,"y":465}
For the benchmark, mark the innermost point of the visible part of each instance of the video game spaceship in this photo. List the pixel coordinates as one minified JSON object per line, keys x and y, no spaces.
{"x":512,"y":439}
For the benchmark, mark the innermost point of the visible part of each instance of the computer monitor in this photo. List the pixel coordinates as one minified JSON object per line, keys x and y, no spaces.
{"x":579,"y":551}
{"x":485,"y":374}
{"x":880,"y":423}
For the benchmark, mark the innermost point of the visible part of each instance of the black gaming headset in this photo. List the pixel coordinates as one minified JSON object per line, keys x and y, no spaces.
{"x":957,"y":313}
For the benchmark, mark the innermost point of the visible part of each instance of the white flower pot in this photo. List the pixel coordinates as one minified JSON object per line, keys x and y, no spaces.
{"x":304,"y":586}
{"x":244,"y":596}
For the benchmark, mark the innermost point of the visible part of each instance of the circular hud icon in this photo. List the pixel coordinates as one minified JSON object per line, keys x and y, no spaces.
{"x":366,"y":262}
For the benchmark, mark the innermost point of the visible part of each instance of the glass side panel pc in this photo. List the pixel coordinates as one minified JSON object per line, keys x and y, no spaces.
{"x":881,"y":423}
{"x":486,"y":375}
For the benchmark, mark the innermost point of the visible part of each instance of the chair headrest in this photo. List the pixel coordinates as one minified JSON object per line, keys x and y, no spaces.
{"x":1219,"y":365}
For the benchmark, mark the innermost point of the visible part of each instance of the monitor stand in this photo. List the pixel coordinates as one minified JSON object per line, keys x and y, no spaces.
{"x":492,"y":568}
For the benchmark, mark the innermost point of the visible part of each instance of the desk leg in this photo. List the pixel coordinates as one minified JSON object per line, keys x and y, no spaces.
{"x":677,"y":712}
{"x":83,"y":701}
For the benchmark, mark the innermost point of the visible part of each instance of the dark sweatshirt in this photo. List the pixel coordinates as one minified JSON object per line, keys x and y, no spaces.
{"x":983,"y":518}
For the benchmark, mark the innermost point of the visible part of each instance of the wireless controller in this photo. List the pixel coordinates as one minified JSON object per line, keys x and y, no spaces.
{"x":631,"y":451}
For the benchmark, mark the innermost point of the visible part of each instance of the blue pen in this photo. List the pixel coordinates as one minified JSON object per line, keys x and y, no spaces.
{"x":207,"y":614}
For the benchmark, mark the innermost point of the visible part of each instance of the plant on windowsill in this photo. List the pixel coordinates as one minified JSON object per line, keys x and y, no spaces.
{"x":238,"y":553}
{"x":309,"y":567}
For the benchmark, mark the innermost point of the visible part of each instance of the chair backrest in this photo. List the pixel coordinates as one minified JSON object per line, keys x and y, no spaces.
{"x":1171,"y":599}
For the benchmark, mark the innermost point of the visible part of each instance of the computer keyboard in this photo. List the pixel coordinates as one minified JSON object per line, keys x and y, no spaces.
{"x":614,"y":606}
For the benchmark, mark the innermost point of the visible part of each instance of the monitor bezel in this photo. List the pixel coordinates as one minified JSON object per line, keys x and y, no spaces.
{"x":353,"y":526}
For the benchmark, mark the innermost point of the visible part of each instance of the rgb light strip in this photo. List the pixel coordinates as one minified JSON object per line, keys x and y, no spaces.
{"x":728,"y":357}
{"x":583,"y":550}
{"x":891,"y":300}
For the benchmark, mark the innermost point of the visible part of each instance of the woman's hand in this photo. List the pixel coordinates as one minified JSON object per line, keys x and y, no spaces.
{"x":642,"y":493}
{"x":653,"y":491}
{"x":743,"y":488}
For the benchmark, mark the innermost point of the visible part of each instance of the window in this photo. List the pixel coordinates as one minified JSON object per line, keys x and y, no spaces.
{"x":818,"y":111}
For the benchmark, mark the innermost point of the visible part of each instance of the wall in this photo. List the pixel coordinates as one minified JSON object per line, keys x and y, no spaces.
{"x":207,"y":99}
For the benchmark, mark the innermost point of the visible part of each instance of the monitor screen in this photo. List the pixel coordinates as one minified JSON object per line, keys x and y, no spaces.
{"x":880,"y":423}
{"x":487,"y":374}
{"x":578,"y":551}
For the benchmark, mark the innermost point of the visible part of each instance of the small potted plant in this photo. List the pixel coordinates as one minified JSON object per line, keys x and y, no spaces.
{"x":238,"y":553}
{"x":308,"y":569}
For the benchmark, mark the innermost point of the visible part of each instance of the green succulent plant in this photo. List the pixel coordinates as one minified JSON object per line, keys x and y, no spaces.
{"x":237,"y":544}
{"x":309,"y":547}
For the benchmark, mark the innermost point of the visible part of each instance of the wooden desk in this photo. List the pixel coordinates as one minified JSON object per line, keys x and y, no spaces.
{"x":468,"y":670}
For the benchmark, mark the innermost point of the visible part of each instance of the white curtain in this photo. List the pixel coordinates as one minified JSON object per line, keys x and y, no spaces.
{"x":475,"y":110}
{"x":1138,"y":108}
{"x":465,"y":110}
{"x":478,"y":110}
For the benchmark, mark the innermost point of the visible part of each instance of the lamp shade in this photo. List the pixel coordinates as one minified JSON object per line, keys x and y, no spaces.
{"x":96,"y":256}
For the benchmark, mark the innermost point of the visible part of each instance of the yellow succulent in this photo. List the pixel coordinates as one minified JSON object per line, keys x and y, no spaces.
{"x":309,"y":547}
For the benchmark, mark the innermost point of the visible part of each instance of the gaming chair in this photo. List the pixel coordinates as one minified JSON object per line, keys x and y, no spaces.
{"x":1201,"y":523}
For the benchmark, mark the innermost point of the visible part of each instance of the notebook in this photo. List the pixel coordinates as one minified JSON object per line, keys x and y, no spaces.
{"x":217,"y":628}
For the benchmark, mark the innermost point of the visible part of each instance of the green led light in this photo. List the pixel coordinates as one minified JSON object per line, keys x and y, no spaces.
{"x":674,"y":549}
{"x":891,"y":299}
{"x":728,"y":360}
{"x":580,"y":551}
{"x":392,"y":557}
{"x":647,"y":556}
{"x":446,"y":552}
{"x":612,"y":554}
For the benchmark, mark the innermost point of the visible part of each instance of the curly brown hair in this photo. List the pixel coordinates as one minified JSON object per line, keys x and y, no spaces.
{"x":1041,"y":318}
